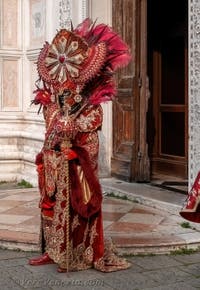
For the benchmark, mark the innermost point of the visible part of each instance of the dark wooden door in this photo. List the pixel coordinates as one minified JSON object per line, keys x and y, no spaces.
{"x":130,"y":151}
{"x":167,"y":70}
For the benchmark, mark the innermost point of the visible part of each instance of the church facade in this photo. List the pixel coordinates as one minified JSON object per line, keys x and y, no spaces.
{"x":152,"y":129}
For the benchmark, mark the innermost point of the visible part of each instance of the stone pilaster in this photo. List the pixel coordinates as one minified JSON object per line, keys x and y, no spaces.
{"x":194,"y":89}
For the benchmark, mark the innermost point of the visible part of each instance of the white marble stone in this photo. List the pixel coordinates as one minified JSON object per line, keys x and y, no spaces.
{"x":194,"y":90}
{"x":21,"y":128}
{"x":118,"y":208}
{"x":13,"y":220}
{"x":150,"y":219}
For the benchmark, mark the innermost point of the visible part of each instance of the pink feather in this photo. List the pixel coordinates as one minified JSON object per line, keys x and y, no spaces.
{"x":120,"y":61}
{"x":103,"y":94}
{"x":118,"y":51}
{"x":83,"y":28}
{"x":118,"y":55}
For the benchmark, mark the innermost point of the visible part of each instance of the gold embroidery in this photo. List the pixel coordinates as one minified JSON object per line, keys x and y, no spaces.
{"x":93,"y":232}
{"x":88,"y":255}
{"x":90,"y":120}
{"x":67,"y":214}
{"x":57,"y":245}
{"x":51,"y":159}
{"x":91,"y":145}
{"x":46,"y":224}
{"x":110,"y":261}
{"x":75,"y":222}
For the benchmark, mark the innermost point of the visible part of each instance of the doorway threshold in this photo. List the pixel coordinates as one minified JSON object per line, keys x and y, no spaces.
{"x":173,"y":185}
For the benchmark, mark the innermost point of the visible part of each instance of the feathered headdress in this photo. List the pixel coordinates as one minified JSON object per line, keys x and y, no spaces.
{"x":85,"y":58}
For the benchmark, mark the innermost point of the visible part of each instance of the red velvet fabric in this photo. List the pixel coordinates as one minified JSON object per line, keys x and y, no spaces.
{"x":191,"y":208}
{"x":94,"y":205}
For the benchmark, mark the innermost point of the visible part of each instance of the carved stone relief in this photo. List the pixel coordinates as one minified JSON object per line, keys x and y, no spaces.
{"x":37,"y":22}
{"x":65,"y":13}
{"x":74,"y":11}
{"x":194,"y":89}
{"x":10,"y":85}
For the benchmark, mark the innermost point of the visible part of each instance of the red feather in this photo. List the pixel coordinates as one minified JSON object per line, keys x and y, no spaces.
{"x":118,"y":54}
{"x":102,"y":94}
{"x":83,"y":28}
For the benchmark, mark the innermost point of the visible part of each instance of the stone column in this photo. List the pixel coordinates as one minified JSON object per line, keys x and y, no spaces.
{"x":102,"y":12}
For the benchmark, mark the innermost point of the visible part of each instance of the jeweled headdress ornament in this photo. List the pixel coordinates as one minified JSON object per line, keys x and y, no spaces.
{"x":84,"y":60}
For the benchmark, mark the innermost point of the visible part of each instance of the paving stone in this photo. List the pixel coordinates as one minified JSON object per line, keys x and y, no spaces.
{"x":13,"y":262}
{"x":193,"y":269}
{"x":174,"y":286}
{"x":158,"y":262}
{"x":123,"y":280}
{"x":132,"y":226}
{"x":82,"y":285}
{"x":188,"y":259}
{"x":191,"y":237}
{"x":195,"y":283}
{"x":6,"y":254}
{"x":160,"y":272}
{"x":169,"y":276}
{"x":8,"y":284}
{"x":151,"y":219}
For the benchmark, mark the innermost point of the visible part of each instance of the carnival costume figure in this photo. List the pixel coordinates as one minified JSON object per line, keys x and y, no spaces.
{"x":76,"y":75}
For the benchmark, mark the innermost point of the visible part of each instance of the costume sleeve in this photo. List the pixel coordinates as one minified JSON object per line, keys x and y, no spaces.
{"x":90,"y":119}
{"x":88,"y":122}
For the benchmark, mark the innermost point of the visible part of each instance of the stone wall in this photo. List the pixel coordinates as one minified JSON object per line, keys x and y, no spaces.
{"x":25,"y":25}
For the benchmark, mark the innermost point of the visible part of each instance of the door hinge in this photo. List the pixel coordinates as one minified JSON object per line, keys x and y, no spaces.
{"x":139,"y":82}
{"x":139,"y":155}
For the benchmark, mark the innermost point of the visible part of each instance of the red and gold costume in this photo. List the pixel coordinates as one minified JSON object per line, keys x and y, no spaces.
{"x":76,"y":72}
{"x":191,"y":208}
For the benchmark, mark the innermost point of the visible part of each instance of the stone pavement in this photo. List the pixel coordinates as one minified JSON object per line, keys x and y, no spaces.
{"x":158,"y":272}
{"x":147,"y":223}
